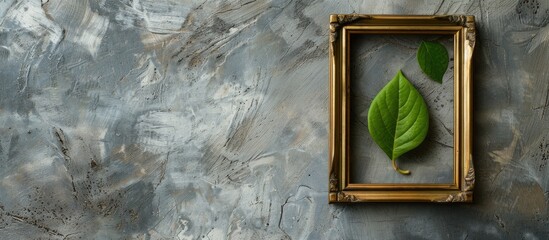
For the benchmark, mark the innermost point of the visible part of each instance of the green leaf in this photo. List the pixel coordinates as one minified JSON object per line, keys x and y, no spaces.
{"x":398,"y":118}
{"x":433,"y":60}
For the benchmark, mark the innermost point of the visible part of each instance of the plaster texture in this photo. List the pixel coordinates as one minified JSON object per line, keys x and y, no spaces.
{"x":164,"y":119}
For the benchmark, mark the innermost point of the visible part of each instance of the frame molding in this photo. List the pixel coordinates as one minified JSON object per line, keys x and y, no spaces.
{"x":463,"y":30}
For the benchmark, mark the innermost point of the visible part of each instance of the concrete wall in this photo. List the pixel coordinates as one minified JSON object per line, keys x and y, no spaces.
{"x":165,"y":119}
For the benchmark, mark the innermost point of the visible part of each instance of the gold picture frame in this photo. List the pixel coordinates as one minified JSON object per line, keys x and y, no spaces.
{"x":462,"y":30}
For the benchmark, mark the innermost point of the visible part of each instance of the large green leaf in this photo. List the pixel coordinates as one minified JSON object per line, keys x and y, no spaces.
{"x":433,"y":60}
{"x":398,"y":118}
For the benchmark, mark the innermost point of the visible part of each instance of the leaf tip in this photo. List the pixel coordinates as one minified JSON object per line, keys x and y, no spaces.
{"x":400,"y":74}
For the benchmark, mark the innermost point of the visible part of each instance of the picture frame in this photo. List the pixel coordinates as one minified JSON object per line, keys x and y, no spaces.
{"x":344,"y":29}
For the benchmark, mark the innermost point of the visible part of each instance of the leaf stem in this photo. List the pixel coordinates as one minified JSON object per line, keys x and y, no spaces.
{"x":403,"y":172}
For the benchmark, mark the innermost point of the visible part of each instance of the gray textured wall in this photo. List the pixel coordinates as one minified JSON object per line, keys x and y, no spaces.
{"x":158,"y":119}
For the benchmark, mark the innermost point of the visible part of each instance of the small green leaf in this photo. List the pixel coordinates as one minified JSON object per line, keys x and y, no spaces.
{"x":433,"y":60}
{"x":398,"y":118}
